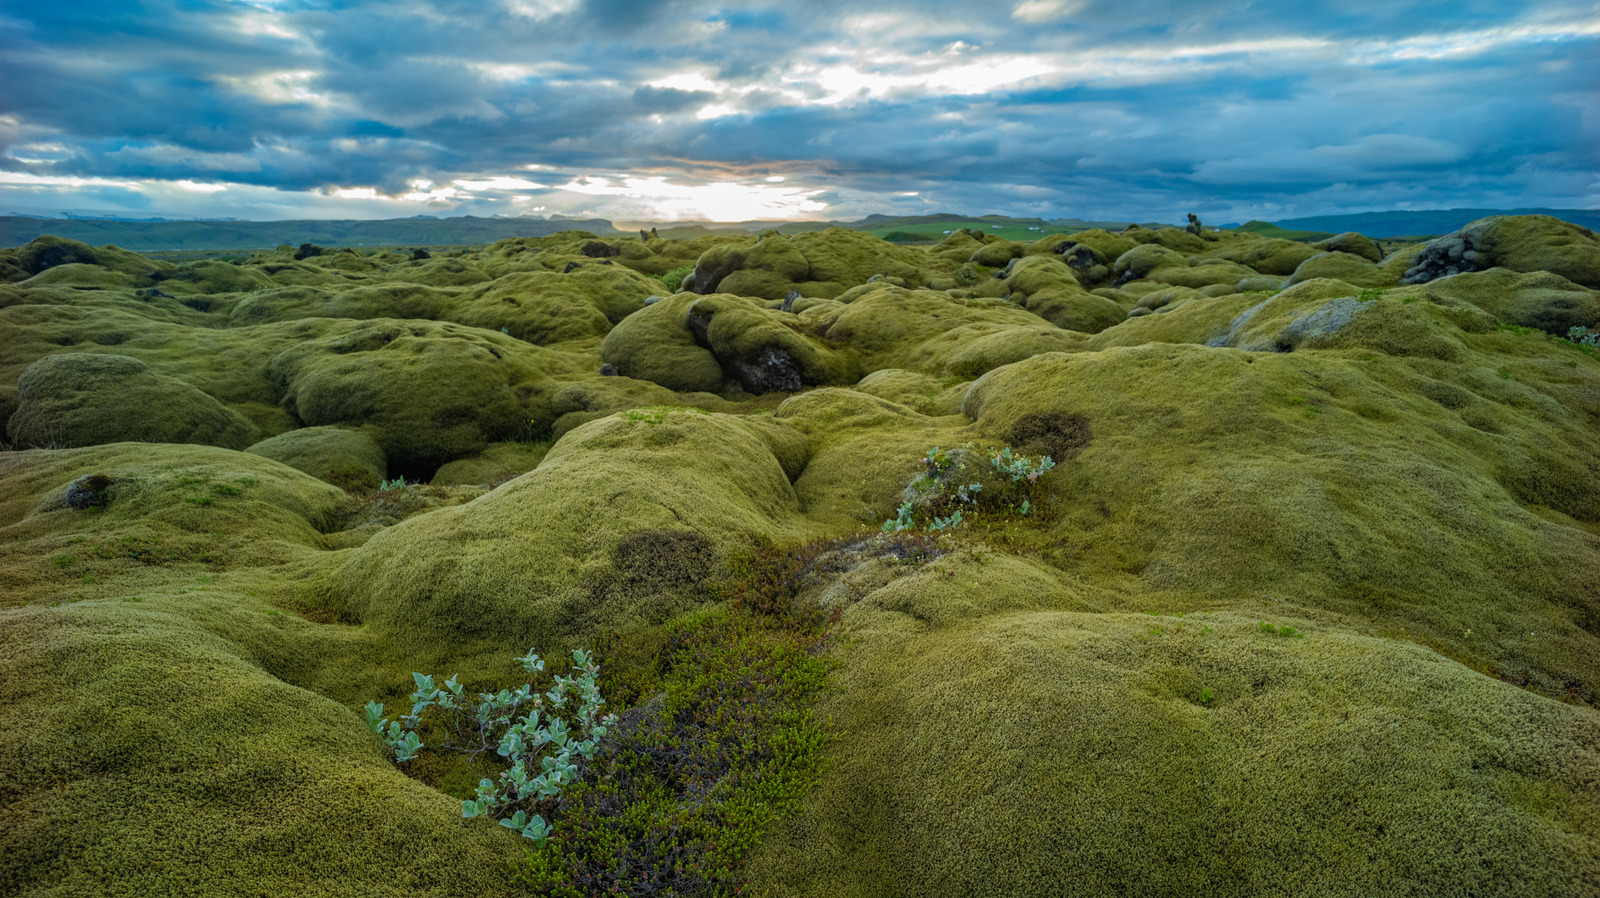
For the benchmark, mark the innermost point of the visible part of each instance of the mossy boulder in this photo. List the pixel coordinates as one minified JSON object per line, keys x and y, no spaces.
{"x":83,"y":399}
{"x":348,"y":459}
{"x":933,"y":332}
{"x":1354,"y":244}
{"x":997,"y":254}
{"x":1268,"y":255}
{"x":520,"y":565}
{"x":45,"y":253}
{"x":1347,"y":267}
{"x":1237,"y":496}
{"x":1330,"y":313}
{"x":1538,"y":299}
{"x":1145,"y":259}
{"x":655,"y":344}
{"x":497,"y":464}
{"x":922,"y":392}
{"x":1006,"y":742}
{"x":762,"y":349}
{"x":1519,"y":242}
{"x":1203,"y":273}
{"x":427,"y":393}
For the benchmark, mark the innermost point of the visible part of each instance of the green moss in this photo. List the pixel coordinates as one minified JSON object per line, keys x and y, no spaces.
{"x":1354,"y":244}
{"x":427,"y":393}
{"x":656,"y":345}
{"x":516,"y":566}
{"x":77,"y":399}
{"x":1530,"y":243}
{"x":974,"y":767}
{"x":1343,"y":266}
{"x":1540,"y":300}
{"x":496,"y":464}
{"x":1266,"y":255}
{"x":1254,"y":497}
{"x":348,"y":459}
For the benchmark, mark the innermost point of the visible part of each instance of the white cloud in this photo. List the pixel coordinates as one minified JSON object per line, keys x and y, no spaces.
{"x":500,"y":183}
{"x":659,"y":199}
{"x":1045,"y":10}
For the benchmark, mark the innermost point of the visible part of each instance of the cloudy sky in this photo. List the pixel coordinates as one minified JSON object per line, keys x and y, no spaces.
{"x":679,"y":109}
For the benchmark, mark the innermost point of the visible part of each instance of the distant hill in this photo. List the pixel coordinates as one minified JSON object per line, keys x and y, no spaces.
{"x":1434,"y":221}
{"x":148,"y":236}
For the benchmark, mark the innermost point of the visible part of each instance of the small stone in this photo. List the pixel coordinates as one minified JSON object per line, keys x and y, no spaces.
{"x":88,"y":491}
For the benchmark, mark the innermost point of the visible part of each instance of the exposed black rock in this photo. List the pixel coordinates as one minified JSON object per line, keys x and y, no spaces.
{"x":88,"y":491}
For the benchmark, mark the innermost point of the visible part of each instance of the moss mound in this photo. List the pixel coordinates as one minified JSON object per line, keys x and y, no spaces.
{"x":1343,"y":266}
{"x":79,"y":399}
{"x":347,"y":459}
{"x":1523,"y":243}
{"x":1268,"y":255}
{"x":523,"y":563}
{"x":1244,"y":761}
{"x":1266,"y":506}
{"x":427,"y":393}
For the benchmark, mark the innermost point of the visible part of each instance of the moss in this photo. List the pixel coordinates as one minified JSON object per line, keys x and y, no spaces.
{"x":1343,"y":266}
{"x":77,"y":399}
{"x":497,"y":464}
{"x":1354,"y":244}
{"x":1540,"y":300}
{"x":1412,"y":489}
{"x":348,"y":459}
{"x":1204,"y":273}
{"x":1529,"y":243}
{"x":1268,"y":255}
{"x":1327,"y":313}
{"x":656,"y":344}
{"x":1317,"y":477}
{"x":925,"y":330}
{"x":1350,"y":762}
{"x":864,"y":450}
{"x":115,"y":714}
{"x":1143,"y":260}
{"x":925,"y":393}
{"x":1196,"y":320}
{"x":512,"y":566}
{"x":427,"y":393}
{"x":997,"y":254}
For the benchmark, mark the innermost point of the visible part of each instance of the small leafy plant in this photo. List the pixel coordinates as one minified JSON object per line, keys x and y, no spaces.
{"x":1284,"y":630}
{"x":945,"y":497}
{"x":1582,"y":336}
{"x":543,"y":735}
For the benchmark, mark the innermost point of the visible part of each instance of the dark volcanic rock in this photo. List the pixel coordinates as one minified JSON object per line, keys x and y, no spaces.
{"x":772,"y":371}
{"x":88,"y":491}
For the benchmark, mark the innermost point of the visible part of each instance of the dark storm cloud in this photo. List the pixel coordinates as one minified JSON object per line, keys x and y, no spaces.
{"x":1053,"y":107}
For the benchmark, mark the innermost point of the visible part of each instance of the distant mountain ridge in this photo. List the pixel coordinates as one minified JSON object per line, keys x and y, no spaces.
{"x":151,"y":236}
{"x":1431,"y":221}
{"x":154,"y":235}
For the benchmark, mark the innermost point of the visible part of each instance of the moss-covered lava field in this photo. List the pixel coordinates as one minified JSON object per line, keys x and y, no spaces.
{"x":1306,"y":603}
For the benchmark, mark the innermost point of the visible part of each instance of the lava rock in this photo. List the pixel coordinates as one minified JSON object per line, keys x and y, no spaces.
{"x":88,"y":491}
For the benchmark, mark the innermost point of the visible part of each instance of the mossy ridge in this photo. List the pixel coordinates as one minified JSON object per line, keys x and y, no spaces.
{"x":70,"y":399}
{"x":1241,"y":761}
{"x":521,"y":565}
{"x":1321,"y":479}
{"x":117,"y":718}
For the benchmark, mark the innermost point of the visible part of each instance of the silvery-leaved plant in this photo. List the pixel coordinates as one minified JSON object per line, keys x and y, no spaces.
{"x":541,"y":735}
{"x":1018,"y":466}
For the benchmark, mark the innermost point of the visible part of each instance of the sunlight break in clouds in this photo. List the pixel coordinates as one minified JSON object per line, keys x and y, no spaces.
{"x":722,"y":201}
